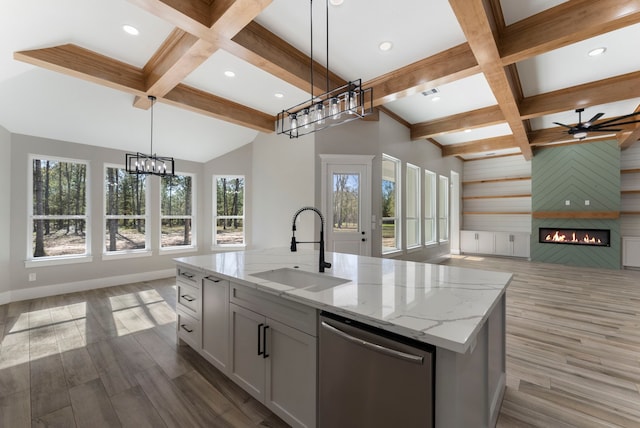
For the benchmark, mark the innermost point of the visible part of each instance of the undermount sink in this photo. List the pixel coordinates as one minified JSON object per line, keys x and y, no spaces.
{"x":299,"y":278}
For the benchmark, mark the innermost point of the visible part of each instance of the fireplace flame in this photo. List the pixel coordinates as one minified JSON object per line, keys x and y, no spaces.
{"x":557,"y":237}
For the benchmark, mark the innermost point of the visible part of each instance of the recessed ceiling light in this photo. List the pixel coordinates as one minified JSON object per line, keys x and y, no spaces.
{"x":467,"y":130}
{"x":278,"y":95}
{"x":434,"y":99}
{"x":229,"y":73}
{"x":597,"y":51}
{"x":130,"y":29}
{"x":336,"y":2}
{"x":385,"y":46}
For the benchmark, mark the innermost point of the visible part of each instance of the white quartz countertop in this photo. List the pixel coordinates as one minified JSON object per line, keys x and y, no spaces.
{"x":441,"y":305}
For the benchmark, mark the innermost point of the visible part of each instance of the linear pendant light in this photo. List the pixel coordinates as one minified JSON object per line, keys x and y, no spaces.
{"x":335,"y":107}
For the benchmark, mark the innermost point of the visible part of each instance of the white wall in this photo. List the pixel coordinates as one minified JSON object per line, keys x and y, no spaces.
{"x":283,"y":181}
{"x":5,"y":213}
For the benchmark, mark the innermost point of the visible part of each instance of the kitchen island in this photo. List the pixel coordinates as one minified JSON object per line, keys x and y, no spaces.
{"x":461,"y":312}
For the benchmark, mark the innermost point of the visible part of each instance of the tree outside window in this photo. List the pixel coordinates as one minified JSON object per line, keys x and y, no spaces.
{"x":429,"y":207}
{"x":58,"y":208}
{"x":125,"y":211}
{"x":443,"y":208}
{"x":390,"y":204}
{"x":176,"y":212}
{"x":413,"y":206}
{"x":228,"y":223}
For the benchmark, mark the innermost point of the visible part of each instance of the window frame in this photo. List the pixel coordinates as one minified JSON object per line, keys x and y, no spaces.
{"x":430,"y":197}
{"x":30,"y":260}
{"x":417,"y":203}
{"x":443,"y":208}
{"x":193,"y":246}
{"x":398,"y":211}
{"x":117,"y":254}
{"x":216,"y":217}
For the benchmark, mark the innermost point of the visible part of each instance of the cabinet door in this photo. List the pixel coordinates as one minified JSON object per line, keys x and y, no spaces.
{"x":246,"y":367}
{"x":291,"y":374}
{"x":215,"y":322}
{"x":504,"y":243}
{"x":486,"y":242}
{"x":522,"y":245}
{"x":468,"y":242}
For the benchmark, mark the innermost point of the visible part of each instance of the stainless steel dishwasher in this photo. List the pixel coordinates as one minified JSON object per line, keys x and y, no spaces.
{"x":371,"y":378}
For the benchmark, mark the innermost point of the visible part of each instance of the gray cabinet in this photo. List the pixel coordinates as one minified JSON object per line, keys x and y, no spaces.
{"x":273,"y":353}
{"x":512,"y":244}
{"x":477,"y":242}
{"x":215,"y":321}
{"x":189,"y":305}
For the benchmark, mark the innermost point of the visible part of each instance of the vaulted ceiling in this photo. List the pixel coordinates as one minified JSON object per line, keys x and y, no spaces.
{"x":505,"y":70}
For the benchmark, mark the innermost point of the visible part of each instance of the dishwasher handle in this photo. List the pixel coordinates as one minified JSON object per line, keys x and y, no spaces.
{"x":416,"y":359}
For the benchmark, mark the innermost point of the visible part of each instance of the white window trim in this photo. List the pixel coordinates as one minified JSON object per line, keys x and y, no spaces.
{"x":398,"y":205}
{"x":194,"y":244}
{"x":215,"y":217}
{"x":444,"y":178}
{"x":432,"y":194}
{"x":418,"y":218}
{"x":123,"y":254}
{"x":31,"y":261}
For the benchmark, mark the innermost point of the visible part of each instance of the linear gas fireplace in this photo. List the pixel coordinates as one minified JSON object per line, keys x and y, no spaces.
{"x":587,"y":237}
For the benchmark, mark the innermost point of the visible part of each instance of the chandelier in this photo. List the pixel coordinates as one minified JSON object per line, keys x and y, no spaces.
{"x":151,"y":164}
{"x":335,"y":107}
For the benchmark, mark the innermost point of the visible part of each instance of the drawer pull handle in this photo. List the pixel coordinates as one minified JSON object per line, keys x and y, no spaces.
{"x":187,"y":275}
{"x":212,"y":279}
{"x":185,"y":328}
{"x":260,"y":351}
{"x":264,"y":341}
{"x":188,"y":298}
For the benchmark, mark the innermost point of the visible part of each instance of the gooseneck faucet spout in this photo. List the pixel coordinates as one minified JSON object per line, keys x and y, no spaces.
{"x":294,"y":243}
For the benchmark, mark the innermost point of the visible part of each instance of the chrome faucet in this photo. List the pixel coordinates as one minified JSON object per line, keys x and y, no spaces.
{"x":321,"y":263}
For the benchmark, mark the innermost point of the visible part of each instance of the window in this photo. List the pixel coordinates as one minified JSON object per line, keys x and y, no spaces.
{"x":125,"y":211}
{"x":429,"y":207}
{"x":176,"y":212}
{"x":413,"y":206}
{"x":58,"y":209}
{"x":443,"y":208}
{"x":390,"y":204}
{"x":229,"y":208}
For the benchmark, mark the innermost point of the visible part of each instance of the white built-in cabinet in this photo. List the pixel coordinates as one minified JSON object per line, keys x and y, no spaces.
{"x":264,"y":343}
{"x":514,"y":244}
{"x":631,"y":251}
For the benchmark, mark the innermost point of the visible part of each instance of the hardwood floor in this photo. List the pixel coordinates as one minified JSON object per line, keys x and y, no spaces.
{"x":573,"y":345}
{"x":109,"y":357}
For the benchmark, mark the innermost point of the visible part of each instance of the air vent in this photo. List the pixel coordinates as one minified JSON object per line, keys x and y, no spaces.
{"x":430,"y":92}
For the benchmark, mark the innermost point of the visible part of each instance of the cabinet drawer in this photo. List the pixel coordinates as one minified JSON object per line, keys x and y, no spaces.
{"x":189,"y":276}
{"x":189,"y":297}
{"x":290,"y":313}
{"x":189,"y":330}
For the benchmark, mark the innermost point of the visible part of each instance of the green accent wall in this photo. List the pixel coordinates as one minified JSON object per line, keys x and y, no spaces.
{"x":577,"y":173}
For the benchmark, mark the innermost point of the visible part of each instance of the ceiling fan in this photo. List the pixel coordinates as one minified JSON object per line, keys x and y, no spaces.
{"x":581,"y":129}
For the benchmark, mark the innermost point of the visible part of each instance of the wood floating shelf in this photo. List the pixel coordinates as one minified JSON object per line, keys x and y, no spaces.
{"x":497,"y":180}
{"x":496,"y":213}
{"x":630,"y":192}
{"x":602,"y":215}
{"x":630,"y":213}
{"x":630,"y":171}
{"x":497,"y":196}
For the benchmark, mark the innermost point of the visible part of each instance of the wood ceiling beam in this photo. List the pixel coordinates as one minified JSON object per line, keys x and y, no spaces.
{"x":477,"y":24}
{"x":486,"y":145}
{"x":95,"y":68}
{"x":565,"y":24}
{"x":263,"y":49}
{"x":627,"y":140}
{"x":444,"y":67}
{"x":458,"y":122}
{"x":603,"y":91}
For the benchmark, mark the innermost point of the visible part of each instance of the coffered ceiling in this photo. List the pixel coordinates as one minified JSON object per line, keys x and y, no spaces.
{"x":505,"y":70}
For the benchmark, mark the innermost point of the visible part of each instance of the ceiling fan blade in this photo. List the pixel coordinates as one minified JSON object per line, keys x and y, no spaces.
{"x":594,"y":118}
{"x":562,"y":124}
{"x":615,"y":119}
{"x":603,"y":125}
{"x":603,"y":130}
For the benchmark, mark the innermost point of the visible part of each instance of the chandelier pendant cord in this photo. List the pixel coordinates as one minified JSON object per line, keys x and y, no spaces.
{"x":311,"y":27}
{"x":152,"y":99}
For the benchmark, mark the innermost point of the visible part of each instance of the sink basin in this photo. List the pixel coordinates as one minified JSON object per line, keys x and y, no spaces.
{"x":299,"y":278}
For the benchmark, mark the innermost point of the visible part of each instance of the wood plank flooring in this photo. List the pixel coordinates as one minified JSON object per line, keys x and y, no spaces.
{"x":573,"y":345}
{"x":109,"y":357}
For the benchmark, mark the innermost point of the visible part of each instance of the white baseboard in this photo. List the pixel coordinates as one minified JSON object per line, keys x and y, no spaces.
{"x":90,"y":284}
{"x":5,"y":298}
